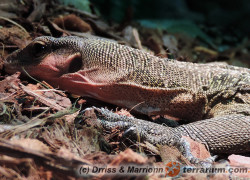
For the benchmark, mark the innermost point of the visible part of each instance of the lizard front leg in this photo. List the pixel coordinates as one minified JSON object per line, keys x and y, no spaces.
{"x":154,"y":133}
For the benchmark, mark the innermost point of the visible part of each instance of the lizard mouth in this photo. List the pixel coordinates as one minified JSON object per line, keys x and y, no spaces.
{"x":57,"y":65}
{"x":11,"y":65}
{"x":12,"y":58}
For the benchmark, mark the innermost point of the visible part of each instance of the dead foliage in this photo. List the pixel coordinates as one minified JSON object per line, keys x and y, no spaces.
{"x":39,"y":137}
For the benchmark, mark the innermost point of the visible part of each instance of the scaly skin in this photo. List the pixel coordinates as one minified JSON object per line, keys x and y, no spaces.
{"x":216,"y":94}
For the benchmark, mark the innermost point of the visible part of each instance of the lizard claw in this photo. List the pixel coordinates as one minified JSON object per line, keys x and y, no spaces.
{"x":130,"y":131}
{"x":184,"y":147}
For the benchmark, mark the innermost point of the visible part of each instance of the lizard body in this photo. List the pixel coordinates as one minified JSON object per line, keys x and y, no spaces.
{"x":150,"y":85}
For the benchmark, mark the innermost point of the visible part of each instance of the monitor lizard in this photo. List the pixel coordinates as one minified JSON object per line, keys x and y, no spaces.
{"x":213,"y":98}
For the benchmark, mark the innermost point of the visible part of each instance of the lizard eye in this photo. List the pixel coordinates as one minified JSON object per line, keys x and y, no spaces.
{"x":39,"y":49}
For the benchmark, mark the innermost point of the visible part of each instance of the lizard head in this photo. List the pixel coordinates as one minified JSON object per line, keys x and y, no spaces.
{"x":45,"y":57}
{"x":71,"y":63}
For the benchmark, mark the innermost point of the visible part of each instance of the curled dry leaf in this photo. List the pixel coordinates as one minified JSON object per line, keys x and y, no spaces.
{"x":73,"y":23}
{"x":198,"y":150}
{"x":132,"y":36}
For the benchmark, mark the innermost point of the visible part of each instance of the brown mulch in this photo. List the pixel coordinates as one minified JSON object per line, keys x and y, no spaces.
{"x":39,"y":137}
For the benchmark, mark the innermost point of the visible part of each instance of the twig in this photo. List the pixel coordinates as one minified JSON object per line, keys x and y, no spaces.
{"x":36,"y":121}
{"x":44,"y":85}
{"x":3,"y":47}
{"x":42,"y":99}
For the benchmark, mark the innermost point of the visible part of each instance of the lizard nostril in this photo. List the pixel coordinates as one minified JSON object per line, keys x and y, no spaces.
{"x":75,"y":65}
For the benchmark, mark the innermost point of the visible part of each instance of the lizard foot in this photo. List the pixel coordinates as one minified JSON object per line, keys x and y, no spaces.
{"x":148,"y":131}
